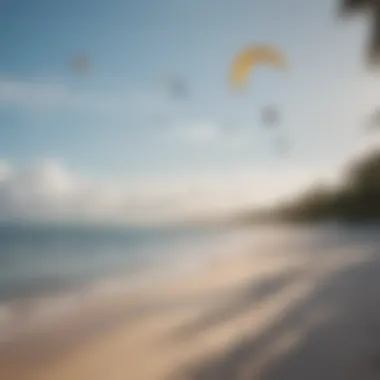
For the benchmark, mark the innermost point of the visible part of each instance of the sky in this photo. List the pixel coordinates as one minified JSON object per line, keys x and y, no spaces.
{"x":113,"y":143}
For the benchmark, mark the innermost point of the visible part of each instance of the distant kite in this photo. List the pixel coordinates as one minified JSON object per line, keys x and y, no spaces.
{"x":270,"y":116}
{"x":81,"y":63}
{"x":178,"y":88}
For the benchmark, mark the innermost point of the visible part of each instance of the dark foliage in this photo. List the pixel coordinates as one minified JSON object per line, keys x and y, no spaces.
{"x":373,"y":8}
{"x":357,"y":199}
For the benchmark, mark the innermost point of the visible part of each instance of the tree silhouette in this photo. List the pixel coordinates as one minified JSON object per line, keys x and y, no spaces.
{"x":373,"y":9}
{"x":357,"y":199}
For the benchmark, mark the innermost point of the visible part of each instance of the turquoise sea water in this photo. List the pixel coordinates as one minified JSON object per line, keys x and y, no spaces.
{"x":40,"y":260}
{"x":47,"y":272}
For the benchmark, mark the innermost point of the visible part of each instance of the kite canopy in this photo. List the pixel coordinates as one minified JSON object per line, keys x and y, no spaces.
{"x":251,"y":57}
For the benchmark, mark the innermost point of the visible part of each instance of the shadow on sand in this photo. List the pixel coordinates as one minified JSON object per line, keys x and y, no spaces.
{"x":334,"y":332}
{"x":238,"y":302}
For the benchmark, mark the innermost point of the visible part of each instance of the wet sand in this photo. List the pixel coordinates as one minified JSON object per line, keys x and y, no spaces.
{"x":287,"y":309}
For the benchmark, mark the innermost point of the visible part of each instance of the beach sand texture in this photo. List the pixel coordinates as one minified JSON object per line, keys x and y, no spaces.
{"x":286,"y":310}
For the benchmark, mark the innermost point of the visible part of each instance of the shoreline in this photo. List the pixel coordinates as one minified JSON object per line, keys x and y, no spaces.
{"x":180,"y":329}
{"x":23,"y":315}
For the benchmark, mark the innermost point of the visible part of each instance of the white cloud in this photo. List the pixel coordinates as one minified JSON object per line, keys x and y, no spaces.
{"x":48,"y":191}
{"x":209,"y":133}
{"x":199,"y":133}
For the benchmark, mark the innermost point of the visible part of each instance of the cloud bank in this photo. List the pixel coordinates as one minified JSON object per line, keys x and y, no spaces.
{"x":47,"y":191}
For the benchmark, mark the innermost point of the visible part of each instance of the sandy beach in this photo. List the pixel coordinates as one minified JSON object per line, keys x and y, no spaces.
{"x":286,"y":309}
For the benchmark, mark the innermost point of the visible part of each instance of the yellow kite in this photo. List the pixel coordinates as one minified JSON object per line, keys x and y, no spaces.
{"x":251,"y":57}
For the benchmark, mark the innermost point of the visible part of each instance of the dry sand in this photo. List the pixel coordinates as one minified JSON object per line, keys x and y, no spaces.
{"x":286,"y":310}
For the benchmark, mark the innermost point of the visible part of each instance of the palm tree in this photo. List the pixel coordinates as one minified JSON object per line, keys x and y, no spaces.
{"x":373,"y":6}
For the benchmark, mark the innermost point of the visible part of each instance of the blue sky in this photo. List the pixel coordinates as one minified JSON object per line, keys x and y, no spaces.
{"x":103,"y":125}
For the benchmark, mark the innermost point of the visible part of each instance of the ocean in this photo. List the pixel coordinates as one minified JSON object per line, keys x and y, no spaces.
{"x":52,"y":259}
{"x":37,"y":260}
{"x":47,"y":271}
{"x":43,"y":268}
